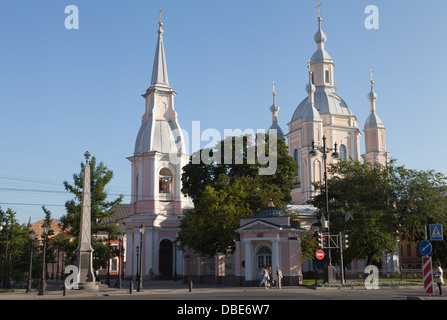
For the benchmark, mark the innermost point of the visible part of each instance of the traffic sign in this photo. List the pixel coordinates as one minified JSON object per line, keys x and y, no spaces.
{"x":436,"y":232}
{"x":428,"y":275}
{"x":425,"y":247}
{"x":319,"y":254}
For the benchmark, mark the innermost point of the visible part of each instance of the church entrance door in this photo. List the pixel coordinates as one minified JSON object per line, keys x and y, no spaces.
{"x":165,"y":259}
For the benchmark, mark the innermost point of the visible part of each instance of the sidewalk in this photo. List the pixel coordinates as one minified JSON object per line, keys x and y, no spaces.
{"x":54,"y":291}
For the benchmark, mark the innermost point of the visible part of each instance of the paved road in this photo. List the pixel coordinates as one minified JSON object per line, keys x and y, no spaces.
{"x":215,"y":302}
{"x":170,"y":290}
{"x":264,"y":295}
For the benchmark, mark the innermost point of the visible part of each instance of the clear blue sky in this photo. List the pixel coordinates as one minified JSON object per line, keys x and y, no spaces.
{"x":63,"y":92}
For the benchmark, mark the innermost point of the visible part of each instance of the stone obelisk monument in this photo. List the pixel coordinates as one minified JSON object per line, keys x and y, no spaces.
{"x":84,"y":253}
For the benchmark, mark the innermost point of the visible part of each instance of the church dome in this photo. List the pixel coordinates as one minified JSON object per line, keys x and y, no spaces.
{"x":374,"y":121}
{"x":326,"y":102}
{"x":321,"y":55}
{"x":279,"y":132}
{"x":160,"y":138}
{"x":372,"y":96}
{"x":271,"y":212}
{"x":320,"y":36}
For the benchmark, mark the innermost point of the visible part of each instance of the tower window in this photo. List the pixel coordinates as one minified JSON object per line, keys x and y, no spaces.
{"x":297,"y":160}
{"x":326,"y":76}
{"x":165,"y":183}
{"x":295,"y":156}
{"x":343,"y":153}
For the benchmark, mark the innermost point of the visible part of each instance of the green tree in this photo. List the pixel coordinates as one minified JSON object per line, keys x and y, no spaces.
{"x":223,"y":193}
{"x":422,"y":200}
{"x":101,"y":207}
{"x":384,"y":204}
{"x":14,"y":248}
{"x":365,"y":193}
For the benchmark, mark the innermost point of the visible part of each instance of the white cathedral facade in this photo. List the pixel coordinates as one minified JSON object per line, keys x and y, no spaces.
{"x":323,"y":114}
{"x":157,"y":203}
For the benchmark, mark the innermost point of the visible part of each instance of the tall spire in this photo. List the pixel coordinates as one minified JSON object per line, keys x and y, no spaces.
{"x":372,"y":96}
{"x":373,"y":119}
{"x":310,"y":88}
{"x":320,"y":36}
{"x":321,"y":62}
{"x":274,"y":109}
{"x":160,"y":71}
{"x":311,"y":113}
{"x":375,"y":144}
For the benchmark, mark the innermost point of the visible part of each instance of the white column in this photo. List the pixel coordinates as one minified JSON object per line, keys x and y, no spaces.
{"x":128,"y":253}
{"x":148,"y":249}
{"x":275,"y":257}
{"x":136,"y":244}
{"x":179,"y":262}
{"x":155,"y":251}
{"x":248,"y":260}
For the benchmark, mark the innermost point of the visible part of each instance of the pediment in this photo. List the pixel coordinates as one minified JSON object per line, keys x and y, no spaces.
{"x":259,"y":225}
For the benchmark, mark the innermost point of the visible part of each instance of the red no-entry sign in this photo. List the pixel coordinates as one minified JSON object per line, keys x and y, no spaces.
{"x":319,"y":254}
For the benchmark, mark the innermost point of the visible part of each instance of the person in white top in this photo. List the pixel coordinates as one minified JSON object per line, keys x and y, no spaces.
{"x":265,"y":277}
{"x":278,"y":277}
{"x":439,"y":277}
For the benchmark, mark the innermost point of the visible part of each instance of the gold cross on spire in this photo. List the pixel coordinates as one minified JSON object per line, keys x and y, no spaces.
{"x":318,"y":8}
{"x":372,"y":75}
{"x":160,"y":23}
{"x":274,"y":88}
{"x":308,"y":67}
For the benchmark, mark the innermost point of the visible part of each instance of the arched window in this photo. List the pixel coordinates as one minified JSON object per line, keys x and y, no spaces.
{"x":343,"y":153}
{"x":136,"y":188}
{"x":297,"y":160}
{"x":326,"y":76}
{"x":165,"y":182}
{"x":264,"y":257}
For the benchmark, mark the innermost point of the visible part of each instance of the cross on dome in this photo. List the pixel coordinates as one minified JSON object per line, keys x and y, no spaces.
{"x":160,"y":24}
{"x":318,"y":8}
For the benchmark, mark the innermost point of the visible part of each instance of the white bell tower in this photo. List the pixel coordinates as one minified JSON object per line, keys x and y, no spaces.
{"x":157,"y":163}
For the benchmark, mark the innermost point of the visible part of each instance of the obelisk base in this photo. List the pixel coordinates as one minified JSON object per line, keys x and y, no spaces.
{"x":86,"y":279}
{"x":88,"y":286}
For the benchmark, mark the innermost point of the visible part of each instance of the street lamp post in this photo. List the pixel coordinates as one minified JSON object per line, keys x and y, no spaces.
{"x":140,"y":278}
{"x":32,"y":235}
{"x":138,"y":265}
{"x":45,"y":229}
{"x":108,"y":256}
{"x":329,"y":268}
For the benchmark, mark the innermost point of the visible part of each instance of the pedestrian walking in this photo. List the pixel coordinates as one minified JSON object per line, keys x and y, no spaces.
{"x":265,"y":277}
{"x":278,"y":277}
{"x":439,"y":278}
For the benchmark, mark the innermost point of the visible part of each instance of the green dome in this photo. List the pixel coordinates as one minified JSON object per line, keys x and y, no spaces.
{"x":271,"y":212}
